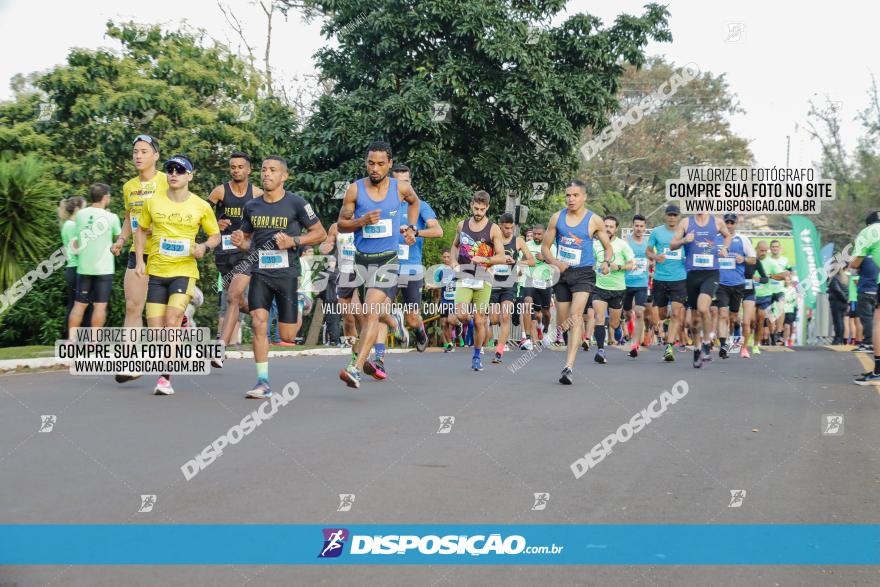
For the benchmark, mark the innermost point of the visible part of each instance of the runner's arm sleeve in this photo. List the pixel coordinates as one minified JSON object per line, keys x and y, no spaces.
{"x":759,"y":267}
{"x":748,"y":248}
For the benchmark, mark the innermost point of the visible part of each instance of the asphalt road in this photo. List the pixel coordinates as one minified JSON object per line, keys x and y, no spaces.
{"x":744,"y":425}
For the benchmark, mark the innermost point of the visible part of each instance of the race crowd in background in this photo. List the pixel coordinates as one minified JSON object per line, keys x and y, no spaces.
{"x":691,"y":284}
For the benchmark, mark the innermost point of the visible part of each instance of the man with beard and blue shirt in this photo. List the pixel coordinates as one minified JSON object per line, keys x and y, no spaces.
{"x":732,"y":281}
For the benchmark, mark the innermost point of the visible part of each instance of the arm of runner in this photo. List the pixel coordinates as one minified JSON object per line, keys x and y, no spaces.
{"x":407,"y":194}
{"x":499,"y":258}
{"x":549,"y":239}
{"x":749,"y":250}
{"x":145,"y":220}
{"x":432,"y":229}
{"x":722,"y":228}
{"x":526,"y":253}
{"x":598,"y":231}
{"x":629,"y":256}
{"x":453,"y":250}
{"x":325,"y":247}
{"x":346,"y":221}
{"x":215,"y":198}
{"x":241,"y":238}
{"x":315,"y":231}
{"x":679,"y":238}
{"x":212,"y":229}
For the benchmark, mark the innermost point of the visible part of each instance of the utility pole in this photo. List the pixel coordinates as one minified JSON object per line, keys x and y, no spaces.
{"x":787,"y":149}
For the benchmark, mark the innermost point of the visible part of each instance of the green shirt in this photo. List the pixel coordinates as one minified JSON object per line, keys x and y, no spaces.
{"x":68,"y":233}
{"x":771,"y":267}
{"x":790,"y":300}
{"x":95,"y":230}
{"x":853,"y":288}
{"x":541,"y":271}
{"x":868,"y":243}
{"x":623,"y":254}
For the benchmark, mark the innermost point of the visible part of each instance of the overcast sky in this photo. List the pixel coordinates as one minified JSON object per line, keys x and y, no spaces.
{"x":777,"y":56}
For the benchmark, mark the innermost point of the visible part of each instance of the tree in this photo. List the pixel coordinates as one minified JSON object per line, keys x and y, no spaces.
{"x":518,"y":95}
{"x":191,"y":93}
{"x":691,"y":127}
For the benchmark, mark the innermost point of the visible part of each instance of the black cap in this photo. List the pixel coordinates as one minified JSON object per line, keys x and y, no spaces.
{"x":673,"y":209}
{"x":147,"y":139}
{"x":730,"y":218}
{"x":873,"y":218}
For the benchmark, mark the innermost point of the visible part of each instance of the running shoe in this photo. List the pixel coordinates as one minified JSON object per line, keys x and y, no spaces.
{"x":634,"y":351}
{"x":565,"y":377}
{"x":351,"y":376}
{"x":126,"y":376}
{"x":421,"y":340}
{"x":698,"y":359}
{"x":869,"y":378}
{"x":744,"y":352}
{"x":400,"y":331}
{"x":585,"y":345}
{"x":163,"y":387}
{"x":449,"y":348}
{"x":864,"y":348}
{"x":722,"y":352}
{"x":600,"y":357}
{"x":527,"y":345}
{"x":756,"y":350}
{"x":476,"y":364}
{"x":707,"y":352}
{"x":375,"y":368}
{"x":260,"y":391}
{"x":497,"y":358}
{"x":669,"y":355}
{"x":217,"y":363}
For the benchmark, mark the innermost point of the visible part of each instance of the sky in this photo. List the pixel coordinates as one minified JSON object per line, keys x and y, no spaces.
{"x":777,"y":57}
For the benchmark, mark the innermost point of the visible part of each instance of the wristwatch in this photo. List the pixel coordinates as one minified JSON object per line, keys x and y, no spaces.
{"x":296,"y":241}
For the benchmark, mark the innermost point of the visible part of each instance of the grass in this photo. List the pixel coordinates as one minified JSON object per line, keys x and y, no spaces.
{"x":26,"y":352}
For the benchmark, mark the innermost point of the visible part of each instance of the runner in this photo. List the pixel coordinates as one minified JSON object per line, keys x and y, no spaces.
{"x":96,"y":227}
{"x":412,"y":272}
{"x":372,"y":211}
{"x":444,"y":278}
{"x":670,"y":279}
{"x":148,"y":183}
{"x":572,"y":230}
{"x":228,"y":200}
{"x":637,"y":281}
{"x":67,"y":211}
{"x":611,"y":287}
{"x":697,"y":235}
{"x":776,"y":264}
{"x":341,"y":246}
{"x":275,"y":228}
{"x":765,"y":295}
{"x":478,"y":244}
{"x":868,"y":244}
{"x":173,"y":221}
{"x":748,"y":320}
{"x":791,"y":302}
{"x":504,"y":278}
{"x":732,"y":280}
{"x":538,"y":292}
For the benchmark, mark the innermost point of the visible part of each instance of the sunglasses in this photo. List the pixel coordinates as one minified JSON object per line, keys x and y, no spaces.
{"x":730,"y":222}
{"x":176,"y":170}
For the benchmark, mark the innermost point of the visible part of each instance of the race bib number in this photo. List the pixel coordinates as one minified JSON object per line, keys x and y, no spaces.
{"x":673,"y":255}
{"x":703,"y":261}
{"x":226,"y":240}
{"x":540,"y":283}
{"x":750,"y":284}
{"x":726,"y":263}
{"x":569,"y":255}
{"x":273,"y":259}
{"x":641,"y":265}
{"x":449,"y":294}
{"x":502,"y":270}
{"x":174,"y":247}
{"x":134,"y":223}
{"x":346,"y":258}
{"x":403,"y":252}
{"x":381,"y":229}
{"x":472,"y":283}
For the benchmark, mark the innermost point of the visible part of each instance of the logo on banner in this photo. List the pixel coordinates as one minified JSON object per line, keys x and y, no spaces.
{"x":334,"y":540}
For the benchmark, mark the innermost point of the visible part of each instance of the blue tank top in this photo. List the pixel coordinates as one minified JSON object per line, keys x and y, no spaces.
{"x":574,"y":245}
{"x":381,"y":237}
{"x":731,"y":272}
{"x":702,"y":253}
{"x":638,"y":276}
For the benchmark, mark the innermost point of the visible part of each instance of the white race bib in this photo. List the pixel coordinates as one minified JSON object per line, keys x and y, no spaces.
{"x":273,"y":259}
{"x":226,"y":239}
{"x":381,"y":229}
{"x":502,"y":269}
{"x":346,"y":258}
{"x":673,"y":255}
{"x":449,"y":294}
{"x":750,"y":284}
{"x":569,"y":255}
{"x":641,"y":265}
{"x":471,"y":283}
{"x":134,"y":222}
{"x":402,"y":252}
{"x":174,"y":247}
{"x":703,"y":260}
{"x":539,"y":283}
{"x":726,"y":262}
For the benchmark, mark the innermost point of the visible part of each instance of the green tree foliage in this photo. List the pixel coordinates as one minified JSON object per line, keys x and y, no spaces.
{"x":692,"y":127}
{"x":520,"y":95}
{"x":194,"y":95}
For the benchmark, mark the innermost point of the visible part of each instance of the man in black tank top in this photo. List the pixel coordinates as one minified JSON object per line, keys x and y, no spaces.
{"x":504,"y":280}
{"x":228,"y":200}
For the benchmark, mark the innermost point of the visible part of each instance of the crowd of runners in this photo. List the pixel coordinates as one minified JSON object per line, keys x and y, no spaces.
{"x":688,"y":285}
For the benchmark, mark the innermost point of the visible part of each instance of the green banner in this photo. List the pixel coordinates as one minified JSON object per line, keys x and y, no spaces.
{"x":809,"y":259}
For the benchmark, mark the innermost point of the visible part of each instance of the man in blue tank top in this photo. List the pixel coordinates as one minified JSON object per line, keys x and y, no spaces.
{"x":572,"y":230}
{"x":636,"y":296}
{"x":697,"y":235}
{"x":371,"y":210}
{"x":732,"y":283}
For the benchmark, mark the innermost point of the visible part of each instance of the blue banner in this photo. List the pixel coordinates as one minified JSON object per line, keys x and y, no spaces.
{"x":631,"y":544}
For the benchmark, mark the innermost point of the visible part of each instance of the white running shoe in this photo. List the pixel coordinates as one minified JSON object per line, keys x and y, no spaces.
{"x":163,"y":387}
